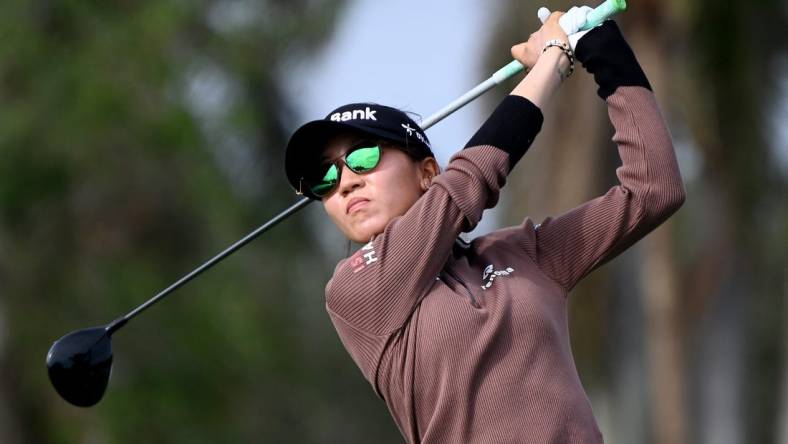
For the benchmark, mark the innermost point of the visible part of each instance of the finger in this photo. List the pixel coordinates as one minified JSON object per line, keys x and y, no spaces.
{"x":555,"y":16}
{"x":518,"y":50}
{"x":543,"y":13}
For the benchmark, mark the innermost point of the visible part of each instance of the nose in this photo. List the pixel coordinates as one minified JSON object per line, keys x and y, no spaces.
{"x":349,"y":181}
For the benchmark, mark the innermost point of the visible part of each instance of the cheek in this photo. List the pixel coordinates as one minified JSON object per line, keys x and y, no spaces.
{"x":332,"y":208}
{"x":394,"y":188}
{"x":400,"y":191}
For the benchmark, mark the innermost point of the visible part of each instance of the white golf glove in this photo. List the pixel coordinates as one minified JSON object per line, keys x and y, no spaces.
{"x":570,"y":22}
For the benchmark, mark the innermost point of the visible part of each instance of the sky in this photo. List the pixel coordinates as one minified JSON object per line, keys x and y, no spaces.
{"x":416,"y":56}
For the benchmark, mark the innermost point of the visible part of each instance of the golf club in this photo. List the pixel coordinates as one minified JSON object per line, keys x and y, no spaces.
{"x":79,"y":364}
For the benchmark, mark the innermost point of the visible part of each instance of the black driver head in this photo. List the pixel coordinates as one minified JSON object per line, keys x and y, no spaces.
{"x":79,"y":365}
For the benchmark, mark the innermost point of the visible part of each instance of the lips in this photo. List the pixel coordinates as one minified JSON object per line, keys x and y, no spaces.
{"x":355,"y":204}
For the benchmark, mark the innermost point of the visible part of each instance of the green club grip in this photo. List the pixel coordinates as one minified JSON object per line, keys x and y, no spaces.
{"x":507,"y":71}
{"x":603,"y":12}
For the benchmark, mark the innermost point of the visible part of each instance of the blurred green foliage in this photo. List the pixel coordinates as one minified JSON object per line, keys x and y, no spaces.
{"x":137,"y":139}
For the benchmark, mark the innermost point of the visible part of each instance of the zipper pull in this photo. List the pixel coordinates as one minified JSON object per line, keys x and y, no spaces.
{"x":474,"y":303}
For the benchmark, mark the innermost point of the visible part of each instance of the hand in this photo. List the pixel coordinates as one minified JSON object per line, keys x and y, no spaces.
{"x":529,"y":52}
{"x":571,"y":22}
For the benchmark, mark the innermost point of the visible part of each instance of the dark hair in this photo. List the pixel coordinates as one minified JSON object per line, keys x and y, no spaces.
{"x":412,"y":152}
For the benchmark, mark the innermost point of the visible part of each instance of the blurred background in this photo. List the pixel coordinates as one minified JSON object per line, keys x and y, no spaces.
{"x":139,"y":138}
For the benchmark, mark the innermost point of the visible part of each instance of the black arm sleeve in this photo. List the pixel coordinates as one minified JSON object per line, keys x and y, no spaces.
{"x":605,"y":54}
{"x":512,"y":127}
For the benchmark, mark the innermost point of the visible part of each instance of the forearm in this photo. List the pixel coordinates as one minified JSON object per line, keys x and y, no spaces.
{"x":515,"y":123}
{"x":544,"y":78}
{"x":649,"y":170}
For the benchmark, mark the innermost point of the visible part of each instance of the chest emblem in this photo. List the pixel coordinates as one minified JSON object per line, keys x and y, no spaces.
{"x":490,"y":274}
{"x":363,"y":257}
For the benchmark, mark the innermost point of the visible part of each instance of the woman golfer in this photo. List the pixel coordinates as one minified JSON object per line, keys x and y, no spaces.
{"x":469,"y":343}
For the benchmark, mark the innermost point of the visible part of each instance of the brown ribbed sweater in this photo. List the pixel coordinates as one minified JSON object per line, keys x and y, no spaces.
{"x":470,"y":343}
{"x":462,"y":354}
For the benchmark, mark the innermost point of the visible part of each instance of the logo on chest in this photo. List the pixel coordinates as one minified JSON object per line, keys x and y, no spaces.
{"x":490,"y":274}
{"x":363,"y":257}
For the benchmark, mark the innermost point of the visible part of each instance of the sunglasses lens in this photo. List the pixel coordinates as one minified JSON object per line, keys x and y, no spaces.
{"x":327,"y":183}
{"x":363,"y":159}
{"x":360,"y":160}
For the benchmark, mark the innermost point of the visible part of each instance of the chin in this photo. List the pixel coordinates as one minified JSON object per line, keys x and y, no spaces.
{"x":367,"y":231}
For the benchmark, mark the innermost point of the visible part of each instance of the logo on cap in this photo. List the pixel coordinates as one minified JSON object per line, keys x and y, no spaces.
{"x":410,"y":130}
{"x":356,"y":114}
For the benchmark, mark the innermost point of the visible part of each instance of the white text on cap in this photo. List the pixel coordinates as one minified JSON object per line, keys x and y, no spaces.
{"x":360,"y":114}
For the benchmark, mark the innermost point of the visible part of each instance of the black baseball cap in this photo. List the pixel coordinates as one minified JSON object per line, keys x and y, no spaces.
{"x":371,"y":119}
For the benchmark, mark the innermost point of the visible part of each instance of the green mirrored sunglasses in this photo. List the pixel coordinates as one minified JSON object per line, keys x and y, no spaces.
{"x":361,"y":158}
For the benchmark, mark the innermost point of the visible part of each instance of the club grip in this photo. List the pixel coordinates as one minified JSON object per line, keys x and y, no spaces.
{"x":603,"y":12}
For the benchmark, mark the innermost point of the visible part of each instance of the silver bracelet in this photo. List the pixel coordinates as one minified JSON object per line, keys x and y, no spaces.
{"x":567,"y":52}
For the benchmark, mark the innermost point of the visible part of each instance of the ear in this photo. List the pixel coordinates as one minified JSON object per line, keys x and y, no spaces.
{"x":428,"y":169}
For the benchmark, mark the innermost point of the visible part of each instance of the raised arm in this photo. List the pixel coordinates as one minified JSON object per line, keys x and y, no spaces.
{"x":570,"y":246}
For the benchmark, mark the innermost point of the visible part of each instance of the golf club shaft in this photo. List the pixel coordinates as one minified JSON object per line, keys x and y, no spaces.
{"x":211,"y":262}
{"x":120,"y":322}
{"x":598,"y":15}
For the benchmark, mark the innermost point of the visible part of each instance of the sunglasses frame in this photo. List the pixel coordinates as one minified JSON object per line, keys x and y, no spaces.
{"x":339,"y":161}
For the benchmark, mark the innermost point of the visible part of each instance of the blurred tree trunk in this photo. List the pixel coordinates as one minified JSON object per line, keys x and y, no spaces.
{"x":728,"y":95}
{"x":648,"y":35}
